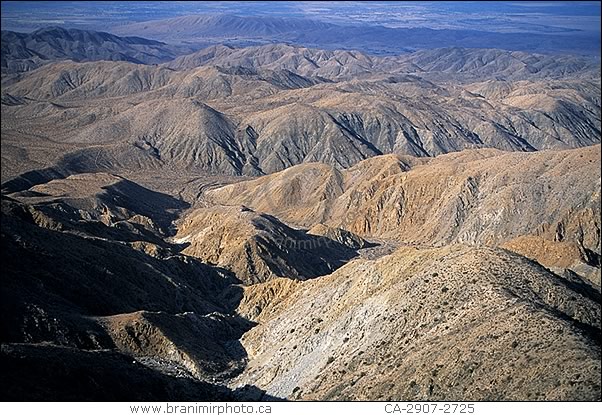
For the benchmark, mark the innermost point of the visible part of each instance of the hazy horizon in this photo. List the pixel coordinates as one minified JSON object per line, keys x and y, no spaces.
{"x":568,"y":25}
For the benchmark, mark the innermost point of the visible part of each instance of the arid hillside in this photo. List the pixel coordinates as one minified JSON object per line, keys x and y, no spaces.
{"x":105,"y":282}
{"x":474,"y":197}
{"x":452,"y":323}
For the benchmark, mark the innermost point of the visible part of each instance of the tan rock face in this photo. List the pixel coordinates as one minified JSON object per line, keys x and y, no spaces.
{"x":258,"y":247}
{"x":557,"y":255}
{"x":472,"y":196}
{"x":452,"y":323}
{"x":340,"y":235}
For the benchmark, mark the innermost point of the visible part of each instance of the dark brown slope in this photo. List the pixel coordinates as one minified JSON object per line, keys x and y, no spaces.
{"x":88,"y":274}
{"x":46,"y":373}
{"x":104,"y":206}
{"x":79,"y":275}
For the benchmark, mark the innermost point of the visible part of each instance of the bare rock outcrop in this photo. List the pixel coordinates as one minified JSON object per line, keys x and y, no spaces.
{"x":258,"y":247}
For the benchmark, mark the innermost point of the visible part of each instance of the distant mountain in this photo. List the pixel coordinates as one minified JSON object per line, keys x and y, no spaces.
{"x":303,"y":61}
{"x":459,"y":63}
{"x":368,"y":38}
{"x":25,"y":51}
{"x":258,"y":110}
{"x":489,"y":64}
{"x":210,"y":25}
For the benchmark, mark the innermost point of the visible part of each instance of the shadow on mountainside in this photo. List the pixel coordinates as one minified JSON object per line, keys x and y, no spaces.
{"x":87,"y":160}
{"x":86,"y":318}
{"x":161,"y":208}
{"x":43,"y":372}
{"x":104,"y":206}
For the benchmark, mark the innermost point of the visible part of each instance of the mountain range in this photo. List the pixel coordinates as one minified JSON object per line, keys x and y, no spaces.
{"x":400,"y":316}
{"x":265,"y":221}
{"x":374,"y":39}
{"x":258,"y":110}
